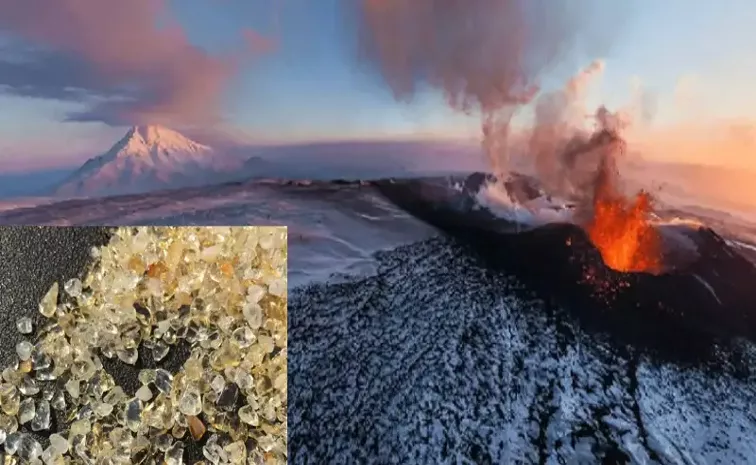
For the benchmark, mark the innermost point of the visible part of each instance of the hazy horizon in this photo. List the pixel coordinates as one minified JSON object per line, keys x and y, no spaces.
{"x":273,"y":72}
{"x":720,"y":186}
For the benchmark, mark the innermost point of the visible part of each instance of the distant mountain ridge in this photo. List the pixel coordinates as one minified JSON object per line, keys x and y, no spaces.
{"x":149,"y":158}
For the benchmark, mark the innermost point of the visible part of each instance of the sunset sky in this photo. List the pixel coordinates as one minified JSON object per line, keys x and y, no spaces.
{"x":286,"y":71}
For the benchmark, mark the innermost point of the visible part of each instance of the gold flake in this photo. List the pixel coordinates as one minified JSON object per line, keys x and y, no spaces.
{"x":196,"y":427}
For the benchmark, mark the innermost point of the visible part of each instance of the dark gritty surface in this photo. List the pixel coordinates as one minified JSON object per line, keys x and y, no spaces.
{"x":32,"y":259}
{"x":440,"y":359}
{"x":477,"y":348}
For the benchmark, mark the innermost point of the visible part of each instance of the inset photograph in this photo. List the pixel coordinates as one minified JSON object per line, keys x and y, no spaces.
{"x":143,"y":345}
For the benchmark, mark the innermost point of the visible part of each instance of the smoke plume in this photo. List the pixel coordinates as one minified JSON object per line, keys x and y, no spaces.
{"x":486,"y":56}
{"x":556,"y":136}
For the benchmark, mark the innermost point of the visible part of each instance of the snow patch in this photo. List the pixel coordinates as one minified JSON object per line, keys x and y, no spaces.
{"x":536,"y":212}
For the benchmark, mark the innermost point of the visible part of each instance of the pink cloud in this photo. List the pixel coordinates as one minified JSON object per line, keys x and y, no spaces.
{"x":259,"y":44}
{"x":131,"y":49}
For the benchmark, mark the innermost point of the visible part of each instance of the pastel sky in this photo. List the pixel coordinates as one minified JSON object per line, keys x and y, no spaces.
{"x":285,"y":71}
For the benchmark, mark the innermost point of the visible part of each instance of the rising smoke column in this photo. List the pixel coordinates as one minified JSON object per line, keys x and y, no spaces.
{"x":486,"y":56}
{"x":582,"y":164}
{"x":558,"y":141}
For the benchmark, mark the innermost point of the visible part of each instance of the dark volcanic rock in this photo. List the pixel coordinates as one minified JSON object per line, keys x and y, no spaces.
{"x":441,"y":359}
{"x":486,"y":348}
{"x":710,"y":298}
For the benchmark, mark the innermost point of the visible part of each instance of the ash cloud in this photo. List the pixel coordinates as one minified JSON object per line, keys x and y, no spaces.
{"x":566,"y":156}
{"x":127,"y":60}
{"x":486,"y":56}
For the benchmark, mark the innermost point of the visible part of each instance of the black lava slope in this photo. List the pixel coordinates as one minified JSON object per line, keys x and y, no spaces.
{"x":481,"y":348}
{"x":709,"y":298}
{"x":437,"y":359}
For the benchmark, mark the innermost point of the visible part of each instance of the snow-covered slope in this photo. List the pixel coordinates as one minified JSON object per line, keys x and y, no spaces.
{"x":149,"y":158}
{"x":435,"y":360}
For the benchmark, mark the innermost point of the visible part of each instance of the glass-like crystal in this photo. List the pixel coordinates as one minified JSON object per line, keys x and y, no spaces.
{"x":102,"y":384}
{"x":51,"y":457}
{"x":128,"y":356}
{"x":10,"y":398}
{"x":83,"y":368}
{"x":72,"y":387}
{"x":80,"y":428}
{"x":58,"y":401}
{"x":73,"y":287}
{"x":236,"y":451}
{"x":221,"y":291}
{"x":160,"y":350}
{"x":227,"y":398}
{"x":175,"y":454}
{"x":255,"y":293}
{"x":103,"y":409}
{"x":8,"y":425}
{"x":190,"y":402}
{"x":253,"y":315}
{"x":41,"y":361}
{"x":243,"y":379}
{"x":26,"y":411}
{"x":146,"y":376}
{"x":29,"y":386}
{"x":218,"y":384}
{"x":24,"y":325}
{"x":41,"y":421}
{"x":115,"y":396}
{"x":59,"y":443}
{"x":212,"y":451}
{"x":29,"y":449}
{"x":248,"y":415}
{"x":163,"y":381}
{"x":144,"y":393}
{"x":133,"y":415}
{"x":24,"y":350}
{"x":49,"y":302}
{"x":13,"y":442}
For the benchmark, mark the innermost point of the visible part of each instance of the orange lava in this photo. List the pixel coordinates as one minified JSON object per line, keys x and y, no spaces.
{"x":620,"y":229}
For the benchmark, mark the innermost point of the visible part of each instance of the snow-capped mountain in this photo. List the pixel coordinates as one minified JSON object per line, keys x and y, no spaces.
{"x":149,"y":158}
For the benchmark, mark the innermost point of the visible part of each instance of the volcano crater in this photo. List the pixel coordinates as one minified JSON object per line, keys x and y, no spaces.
{"x":704,"y":295}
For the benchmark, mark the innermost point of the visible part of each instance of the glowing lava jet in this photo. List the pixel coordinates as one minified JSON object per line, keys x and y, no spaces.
{"x":620,"y":226}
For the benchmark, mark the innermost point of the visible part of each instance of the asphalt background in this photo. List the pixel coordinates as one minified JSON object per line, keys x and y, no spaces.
{"x":32,"y":258}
